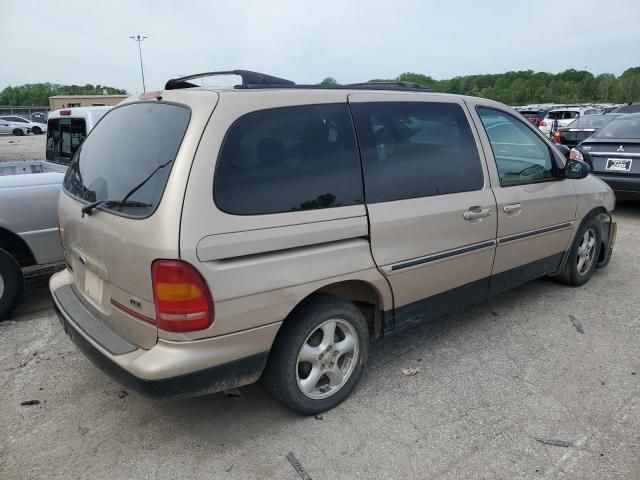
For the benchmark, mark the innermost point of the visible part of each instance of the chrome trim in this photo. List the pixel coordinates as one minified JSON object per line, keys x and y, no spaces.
{"x":614,"y":154}
{"x":532,"y":233}
{"x":439,"y":256}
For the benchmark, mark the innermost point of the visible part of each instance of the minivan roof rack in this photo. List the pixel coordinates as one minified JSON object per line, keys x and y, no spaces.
{"x":248,"y":78}
{"x":256,"y":80}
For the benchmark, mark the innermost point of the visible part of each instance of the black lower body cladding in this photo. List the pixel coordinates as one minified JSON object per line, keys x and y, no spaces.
{"x":202,"y":382}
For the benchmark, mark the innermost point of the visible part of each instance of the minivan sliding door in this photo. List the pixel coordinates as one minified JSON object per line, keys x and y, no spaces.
{"x":431,"y":209}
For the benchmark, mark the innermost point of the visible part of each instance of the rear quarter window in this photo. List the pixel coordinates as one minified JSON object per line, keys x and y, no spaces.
{"x":289,"y":159}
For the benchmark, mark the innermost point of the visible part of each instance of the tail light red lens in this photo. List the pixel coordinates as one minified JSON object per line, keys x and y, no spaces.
{"x":182,"y":298}
{"x":556,"y":137}
{"x":543,"y":123}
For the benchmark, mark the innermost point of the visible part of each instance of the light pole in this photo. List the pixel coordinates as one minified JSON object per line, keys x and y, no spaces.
{"x":139,"y":39}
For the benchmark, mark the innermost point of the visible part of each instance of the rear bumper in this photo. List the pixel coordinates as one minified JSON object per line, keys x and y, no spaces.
{"x":169,"y":369}
{"x":627,"y":186}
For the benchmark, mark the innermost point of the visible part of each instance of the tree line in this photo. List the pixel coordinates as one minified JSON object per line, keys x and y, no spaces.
{"x":37,"y":94}
{"x":526,"y":87}
{"x":512,"y":88}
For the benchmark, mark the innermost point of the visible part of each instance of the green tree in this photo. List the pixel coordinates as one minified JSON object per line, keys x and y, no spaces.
{"x":329,"y":81}
{"x":37,"y":94}
{"x":527,"y":86}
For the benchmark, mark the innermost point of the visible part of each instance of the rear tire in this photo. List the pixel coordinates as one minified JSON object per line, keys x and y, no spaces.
{"x":18,"y":132}
{"x":583,"y":256}
{"x":36,"y":130}
{"x":318,"y":356}
{"x":11,"y":284}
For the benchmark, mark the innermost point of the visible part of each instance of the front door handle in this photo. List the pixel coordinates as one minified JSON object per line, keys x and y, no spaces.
{"x":512,"y":209}
{"x":476,"y":212}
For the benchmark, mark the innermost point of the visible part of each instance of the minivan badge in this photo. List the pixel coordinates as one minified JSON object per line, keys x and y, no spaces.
{"x":135,"y":303}
{"x":620,"y":149}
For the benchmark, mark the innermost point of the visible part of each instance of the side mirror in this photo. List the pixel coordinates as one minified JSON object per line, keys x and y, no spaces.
{"x":576,"y":169}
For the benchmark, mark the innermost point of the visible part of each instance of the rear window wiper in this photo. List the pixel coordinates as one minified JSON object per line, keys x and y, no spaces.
{"x":112,"y":203}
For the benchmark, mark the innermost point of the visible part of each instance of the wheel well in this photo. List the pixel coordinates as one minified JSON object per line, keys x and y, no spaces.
{"x":363,"y":295}
{"x":595,"y":213}
{"x":17,"y":247}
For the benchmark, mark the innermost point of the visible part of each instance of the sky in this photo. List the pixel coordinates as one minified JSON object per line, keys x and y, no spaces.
{"x":80,"y":42}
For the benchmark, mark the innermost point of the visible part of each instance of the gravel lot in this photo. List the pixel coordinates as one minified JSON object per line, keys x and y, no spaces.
{"x":492,"y":379}
{"x":27,"y":147}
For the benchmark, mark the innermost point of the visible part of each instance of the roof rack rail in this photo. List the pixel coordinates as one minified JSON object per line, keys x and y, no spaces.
{"x":248,"y":78}
{"x":391,"y":85}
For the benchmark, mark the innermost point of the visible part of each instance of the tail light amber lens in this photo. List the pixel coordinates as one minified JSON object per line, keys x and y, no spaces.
{"x":182,"y":298}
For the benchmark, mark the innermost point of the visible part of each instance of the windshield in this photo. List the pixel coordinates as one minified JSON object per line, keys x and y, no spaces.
{"x":132,"y":145}
{"x":590,"y":121}
{"x":623,"y":127}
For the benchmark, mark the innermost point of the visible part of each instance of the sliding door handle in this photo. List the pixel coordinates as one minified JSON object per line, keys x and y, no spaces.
{"x":475,"y":213}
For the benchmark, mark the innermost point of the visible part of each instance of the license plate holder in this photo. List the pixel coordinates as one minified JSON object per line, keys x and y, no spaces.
{"x":93,"y":286}
{"x":619,"y":164}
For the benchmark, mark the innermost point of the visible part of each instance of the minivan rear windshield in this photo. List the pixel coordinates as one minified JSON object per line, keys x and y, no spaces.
{"x":128,"y":156}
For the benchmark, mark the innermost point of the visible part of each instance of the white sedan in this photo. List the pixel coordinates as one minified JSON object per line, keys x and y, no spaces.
{"x":16,"y":124}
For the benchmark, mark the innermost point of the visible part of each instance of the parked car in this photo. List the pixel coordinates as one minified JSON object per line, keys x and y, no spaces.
{"x":29,"y":204}
{"x":14,"y":128}
{"x":561,"y":117}
{"x":534,"y":116}
{"x":216,"y":236}
{"x":67,"y":129}
{"x":613,"y":152}
{"x":628,"y":108}
{"x":581,"y":128}
{"x":35,"y":127}
{"x":28,"y":224}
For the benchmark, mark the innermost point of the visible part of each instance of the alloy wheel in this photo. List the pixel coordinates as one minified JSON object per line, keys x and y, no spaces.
{"x":327,"y":359}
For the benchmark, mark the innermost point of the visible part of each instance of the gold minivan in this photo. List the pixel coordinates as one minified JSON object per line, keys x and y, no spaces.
{"x":216,"y":236}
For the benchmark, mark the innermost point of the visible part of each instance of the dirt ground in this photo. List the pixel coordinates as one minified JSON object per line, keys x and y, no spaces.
{"x":542,"y":363}
{"x":27,"y":147}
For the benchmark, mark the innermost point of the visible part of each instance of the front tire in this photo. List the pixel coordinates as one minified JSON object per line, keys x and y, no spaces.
{"x":583,"y":256}
{"x":11,"y":284}
{"x":318,"y":355}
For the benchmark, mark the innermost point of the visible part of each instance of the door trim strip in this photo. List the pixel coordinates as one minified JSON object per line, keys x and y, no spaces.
{"x":441,"y":255}
{"x":539,"y":231}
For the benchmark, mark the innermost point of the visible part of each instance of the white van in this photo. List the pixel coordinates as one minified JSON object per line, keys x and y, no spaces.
{"x":67,"y":128}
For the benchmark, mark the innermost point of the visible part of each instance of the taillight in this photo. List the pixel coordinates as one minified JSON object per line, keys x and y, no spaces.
{"x":575,"y":154}
{"x":182,"y":298}
{"x":543,"y":123}
{"x":556,"y":137}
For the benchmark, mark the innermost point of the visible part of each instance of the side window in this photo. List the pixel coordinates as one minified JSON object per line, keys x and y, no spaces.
{"x":289,"y":159}
{"x":53,"y":139}
{"x":521,"y":156}
{"x":416,"y":149}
